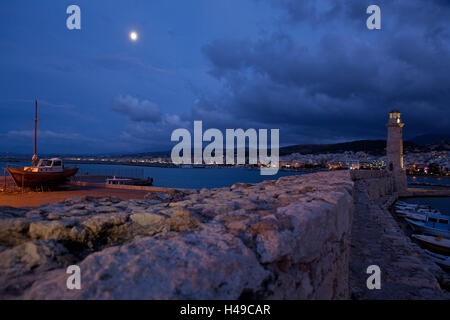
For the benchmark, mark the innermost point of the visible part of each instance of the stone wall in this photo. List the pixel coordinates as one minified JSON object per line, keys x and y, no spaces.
{"x":378,"y":183}
{"x":368,"y":174}
{"x":283,"y":239}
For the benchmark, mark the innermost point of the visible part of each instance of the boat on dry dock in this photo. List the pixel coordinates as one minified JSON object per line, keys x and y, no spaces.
{"x":46,"y":172}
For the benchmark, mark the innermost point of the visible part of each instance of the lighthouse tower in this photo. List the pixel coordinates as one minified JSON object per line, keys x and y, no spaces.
{"x":394,"y":151}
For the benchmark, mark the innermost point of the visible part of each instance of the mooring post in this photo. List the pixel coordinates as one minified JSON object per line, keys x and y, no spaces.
{"x":23,"y":178}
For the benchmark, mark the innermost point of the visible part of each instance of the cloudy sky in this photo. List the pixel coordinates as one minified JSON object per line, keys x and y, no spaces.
{"x":310,"y":68}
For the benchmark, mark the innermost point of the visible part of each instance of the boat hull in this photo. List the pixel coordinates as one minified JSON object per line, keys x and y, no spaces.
{"x":420,"y":227}
{"x":431,"y":243}
{"x":34,"y":179}
{"x":442,"y":261}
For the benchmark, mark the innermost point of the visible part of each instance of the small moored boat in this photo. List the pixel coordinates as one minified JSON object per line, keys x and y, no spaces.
{"x":415,"y":216}
{"x":416,"y":208}
{"x":46,"y":172}
{"x":436,"y":244}
{"x":436,"y":225}
{"x":129,"y":181}
{"x":441,"y":260}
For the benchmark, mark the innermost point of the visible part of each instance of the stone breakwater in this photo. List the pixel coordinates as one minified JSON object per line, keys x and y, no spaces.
{"x":283,"y":239}
{"x":378,"y":239}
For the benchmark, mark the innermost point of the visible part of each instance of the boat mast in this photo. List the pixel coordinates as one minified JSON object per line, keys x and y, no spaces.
{"x":34,"y":159}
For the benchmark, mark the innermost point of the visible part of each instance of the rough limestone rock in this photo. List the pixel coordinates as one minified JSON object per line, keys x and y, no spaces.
{"x":58,"y":230}
{"x":204,"y":265}
{"x":13,"y":231}
{"x":147,"y":219}
{"x":279,"y":239}
{"x":21,"y":264}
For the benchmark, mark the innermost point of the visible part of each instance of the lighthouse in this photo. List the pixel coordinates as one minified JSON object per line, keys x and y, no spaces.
{"x":394,"y":151}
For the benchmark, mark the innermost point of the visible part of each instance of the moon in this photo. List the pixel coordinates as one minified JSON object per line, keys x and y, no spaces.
{"x":133,"y":35}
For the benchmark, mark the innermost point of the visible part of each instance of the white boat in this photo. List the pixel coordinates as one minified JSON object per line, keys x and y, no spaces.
{"x":427,"y":210}
{"x":415,"y":216}
{"x":413,"y":206}
{"x":421,"y":209}
{"x":118,"y":181}
{"x":436,"y":225}
{"x":441,"y":260}
{"x":403,"y":212}
{"x":436,"y":244}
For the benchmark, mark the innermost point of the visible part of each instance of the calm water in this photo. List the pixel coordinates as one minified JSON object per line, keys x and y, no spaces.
{"x":196,"y":178}
{"x":442,"y":204}
{"x":443,"y":181}
{"x":224,"y":177}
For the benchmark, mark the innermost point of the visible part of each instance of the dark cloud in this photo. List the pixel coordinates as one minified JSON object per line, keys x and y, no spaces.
{"x":338,"y":83}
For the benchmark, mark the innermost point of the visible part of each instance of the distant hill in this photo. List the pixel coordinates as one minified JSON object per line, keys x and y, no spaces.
{"x":426,"y":139}
{"x":150,"y":154}
{"x":374,"y":147}
{"x":423,"y":143}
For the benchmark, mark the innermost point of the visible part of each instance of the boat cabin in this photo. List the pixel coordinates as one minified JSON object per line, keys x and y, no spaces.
{"x":118,"y":181}
{"x":437,"y":221}
{"x":47,"y":165}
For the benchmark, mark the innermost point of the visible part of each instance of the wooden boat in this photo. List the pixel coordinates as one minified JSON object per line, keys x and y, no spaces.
{"x":441,"y":260}
{"x":435,"y":225}
{"x":48,"y":172}
{"x":435,"y":244}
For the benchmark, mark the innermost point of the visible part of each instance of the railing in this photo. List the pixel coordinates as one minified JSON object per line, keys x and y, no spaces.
{"x":12,"y":165}
{"x":7,"y":182}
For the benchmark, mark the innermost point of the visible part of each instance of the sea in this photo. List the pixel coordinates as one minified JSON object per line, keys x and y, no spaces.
{"x":192,"y":178}
{"x":442,"y":204}
{"x":197,"y":178}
